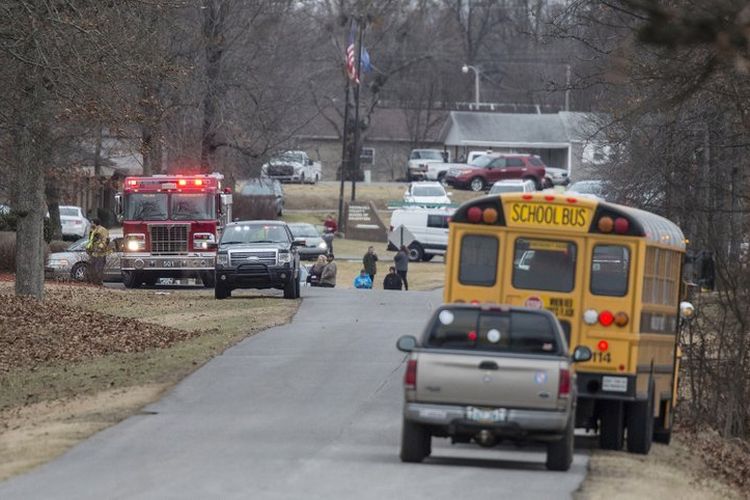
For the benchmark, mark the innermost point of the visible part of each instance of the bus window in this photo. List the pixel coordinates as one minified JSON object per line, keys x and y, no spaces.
{"x":478,"y":262}
{"x":610,"y":266}
{"x":544,"y":265}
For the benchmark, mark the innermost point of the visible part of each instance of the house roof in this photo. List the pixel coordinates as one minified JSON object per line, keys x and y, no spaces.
{"x":467,"y":128}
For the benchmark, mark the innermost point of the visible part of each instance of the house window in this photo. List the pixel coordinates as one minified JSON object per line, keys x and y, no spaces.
{"x":367,"y":156}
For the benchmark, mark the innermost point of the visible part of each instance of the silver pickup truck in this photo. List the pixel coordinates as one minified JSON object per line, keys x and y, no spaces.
{"x":488,"y":373}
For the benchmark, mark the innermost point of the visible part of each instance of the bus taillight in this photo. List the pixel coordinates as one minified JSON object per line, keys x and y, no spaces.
{"x":606,"y":318}
{"x":621,"y":225}
{"x":621,"y":319}
{"x":605,"y":224}
{"x":603,"y":345}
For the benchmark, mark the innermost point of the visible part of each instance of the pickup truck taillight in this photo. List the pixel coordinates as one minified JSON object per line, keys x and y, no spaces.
{"x":410,"y":377}
{"x":564,"y":389}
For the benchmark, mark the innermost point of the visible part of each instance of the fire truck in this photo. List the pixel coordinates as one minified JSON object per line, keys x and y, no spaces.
{"x":169,"y":225}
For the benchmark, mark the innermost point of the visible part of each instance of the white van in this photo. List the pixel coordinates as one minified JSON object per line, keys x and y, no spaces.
{"x":429,"y":228}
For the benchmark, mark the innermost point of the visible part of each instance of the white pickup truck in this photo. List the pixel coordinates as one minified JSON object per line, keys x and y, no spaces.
{"x":293,"y":166}
{"x":487,"y":374}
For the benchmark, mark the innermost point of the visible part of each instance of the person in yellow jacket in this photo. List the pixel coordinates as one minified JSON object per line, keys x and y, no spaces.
{"x":97,"y":247}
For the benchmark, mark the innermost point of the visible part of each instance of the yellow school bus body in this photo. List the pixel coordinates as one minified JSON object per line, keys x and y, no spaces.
{"x":634,"y":359}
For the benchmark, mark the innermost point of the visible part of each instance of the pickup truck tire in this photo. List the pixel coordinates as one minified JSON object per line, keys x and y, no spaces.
{"x":640,"y":422}
{"x":416,"y":442}
{"x":441,"y":178}
{"x":302,"y":178}
{"x":221,"y":291}
{"x":132,"y":279}
{"x":477,"y":184}
{"x":612,"y":427}
{"x":560,"y":453}
{"x":290,"y":289}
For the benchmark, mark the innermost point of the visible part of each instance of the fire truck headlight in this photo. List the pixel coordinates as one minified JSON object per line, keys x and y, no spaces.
{"x":136,"y":242}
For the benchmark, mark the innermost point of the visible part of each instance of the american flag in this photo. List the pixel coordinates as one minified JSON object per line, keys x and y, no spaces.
{"x":351,"y":61}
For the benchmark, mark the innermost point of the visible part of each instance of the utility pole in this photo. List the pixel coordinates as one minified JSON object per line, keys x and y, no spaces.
{"x":567,"y":87}
{"x":355,"y":161}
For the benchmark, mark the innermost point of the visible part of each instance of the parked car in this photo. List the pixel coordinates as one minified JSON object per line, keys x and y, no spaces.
{"x":488,"y":374}
{"x":74,"y":223}
{"x":428,"y":193}
{"x":314,"y":243}
{"x":557,"y":176}
{"x":257,"y":254}
{"x":513,"y":186}
{"x":590,"y":189}
{"x":488,"y":169}
{"x":420,"y":161}
{"x":73,"y":263}
{"x":266,"y":188}
{"x":427,"y":226}
{"x":293,"y":166}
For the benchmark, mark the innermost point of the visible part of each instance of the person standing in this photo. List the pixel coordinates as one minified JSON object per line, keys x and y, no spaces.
{"x":330,"y":228}
{"x":402,"y":264}
{"x":328,"y":278}
{"x":363,"y":280}
{"x":97,"y":247}
{"x":392,"y":280}
{"x":370,"y":262}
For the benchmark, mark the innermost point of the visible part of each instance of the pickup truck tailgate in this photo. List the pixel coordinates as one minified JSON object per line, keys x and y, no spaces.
{"x":498,"y":381}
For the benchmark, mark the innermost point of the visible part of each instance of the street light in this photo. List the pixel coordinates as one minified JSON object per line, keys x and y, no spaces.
{"x":465,"y":69}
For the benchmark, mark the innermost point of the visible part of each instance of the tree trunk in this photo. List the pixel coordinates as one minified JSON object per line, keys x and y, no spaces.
{"x":30,"y":143}
{"x":214,"y":15}
{"x":52,"y":193}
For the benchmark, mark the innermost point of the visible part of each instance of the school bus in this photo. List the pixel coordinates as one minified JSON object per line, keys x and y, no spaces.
{"x":611,"y":275}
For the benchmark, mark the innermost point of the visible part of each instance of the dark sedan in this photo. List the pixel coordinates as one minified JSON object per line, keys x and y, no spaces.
{"x":314,"y":244}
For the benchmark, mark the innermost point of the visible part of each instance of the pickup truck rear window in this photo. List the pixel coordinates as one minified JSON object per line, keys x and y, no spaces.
{"x":495,"y":331}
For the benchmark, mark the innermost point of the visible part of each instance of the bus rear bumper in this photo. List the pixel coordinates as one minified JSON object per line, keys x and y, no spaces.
{"x":606,"y":386}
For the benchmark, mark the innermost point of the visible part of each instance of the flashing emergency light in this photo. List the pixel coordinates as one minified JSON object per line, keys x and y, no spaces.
{"x":182,"y":182}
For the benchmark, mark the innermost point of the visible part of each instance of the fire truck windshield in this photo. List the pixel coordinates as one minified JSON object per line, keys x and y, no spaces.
{"x":192,"y":206}
{"x":146,"y":206}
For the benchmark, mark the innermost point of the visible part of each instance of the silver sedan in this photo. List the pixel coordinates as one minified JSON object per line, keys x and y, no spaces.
{"x":73,"y":263}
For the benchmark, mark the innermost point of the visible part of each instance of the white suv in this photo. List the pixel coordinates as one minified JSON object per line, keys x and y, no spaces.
{"x":425,"y":231}
{"x":426,"y":193}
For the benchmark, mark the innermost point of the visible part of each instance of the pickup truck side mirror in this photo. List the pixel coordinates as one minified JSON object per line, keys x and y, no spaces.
{"x":299,"y":242}
{"x":581,"y":354}
{"x":687,"y":310}
{"x":407,"y":343}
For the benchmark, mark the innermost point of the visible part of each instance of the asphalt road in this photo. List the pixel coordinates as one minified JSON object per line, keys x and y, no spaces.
{"x":309,"y":410}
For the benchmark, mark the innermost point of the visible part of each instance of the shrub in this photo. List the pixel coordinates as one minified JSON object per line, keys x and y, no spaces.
{"x":254,"y":207}
{"x":9,"y":222}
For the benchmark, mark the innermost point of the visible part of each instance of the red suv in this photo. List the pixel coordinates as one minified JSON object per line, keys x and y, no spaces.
{"x":488,"y":169}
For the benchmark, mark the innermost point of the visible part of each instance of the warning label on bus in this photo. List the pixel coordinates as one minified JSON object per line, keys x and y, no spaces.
{"x":549,"y":215}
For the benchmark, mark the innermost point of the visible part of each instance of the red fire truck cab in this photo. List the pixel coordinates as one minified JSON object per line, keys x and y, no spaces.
{"x":169,"y":223}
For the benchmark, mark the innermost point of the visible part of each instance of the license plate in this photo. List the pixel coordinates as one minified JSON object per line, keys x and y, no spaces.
{"x":480,"y":415}
{"x":615,"y":384}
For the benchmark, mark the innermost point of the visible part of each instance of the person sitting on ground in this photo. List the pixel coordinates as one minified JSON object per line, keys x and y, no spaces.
{"x":317,"y":270}
{"x":363,"y":280}
{"x":392,"y":280}
{"x":328,"y":277}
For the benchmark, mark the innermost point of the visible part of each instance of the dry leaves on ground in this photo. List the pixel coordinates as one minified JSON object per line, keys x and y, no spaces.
{"x":33,"y":333}
{"x":728,"y":458}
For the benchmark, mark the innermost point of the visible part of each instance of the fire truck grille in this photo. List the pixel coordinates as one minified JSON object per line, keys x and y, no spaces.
{"x":169,"y":239}
{"x":238,"y":258}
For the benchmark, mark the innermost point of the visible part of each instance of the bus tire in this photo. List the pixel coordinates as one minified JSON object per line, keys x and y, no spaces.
{"x":663,"y":424}
{"x":612,"y":428}
{"x":640,"y":424}
{"x":416,"y":442}
{"x":416,"y":252}
{"x":560,"y":453}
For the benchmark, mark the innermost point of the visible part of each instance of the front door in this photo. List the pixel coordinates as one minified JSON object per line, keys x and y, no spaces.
{"x":495,"y":171}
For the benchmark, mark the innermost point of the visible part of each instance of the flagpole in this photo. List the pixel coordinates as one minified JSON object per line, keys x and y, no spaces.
{"x":345,"y":134}
{"x":355,"y":170}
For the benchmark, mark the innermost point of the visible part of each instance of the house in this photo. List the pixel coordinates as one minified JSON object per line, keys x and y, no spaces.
{"x":567,"y":140}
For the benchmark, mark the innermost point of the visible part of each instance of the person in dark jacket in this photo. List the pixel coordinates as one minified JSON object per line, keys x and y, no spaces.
{"x":392,"y":280}
{"x":402,"y":264}
{"x":370,"y":263}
